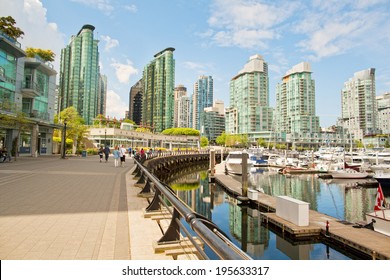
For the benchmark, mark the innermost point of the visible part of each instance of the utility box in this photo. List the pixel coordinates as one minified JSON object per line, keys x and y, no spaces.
{"x":292,"y":210}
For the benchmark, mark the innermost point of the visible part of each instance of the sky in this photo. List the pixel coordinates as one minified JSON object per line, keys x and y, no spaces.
{"x":216,"y":38}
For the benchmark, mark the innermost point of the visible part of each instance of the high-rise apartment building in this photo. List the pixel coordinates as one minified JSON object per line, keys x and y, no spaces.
{"x":158,"y":99}
{"x":183,"y":111}
{"x":295,"y":102}
{"x":383,"y":103}
{"x":358,"y":105}
{"x":80,"y":79}
{"x":102,"y":97}
{"x":249,"y":112}
{"x":179,"y":92}
{"x":202,"y":97}
{"x":135,"y":102}
{"x":213,"y":121}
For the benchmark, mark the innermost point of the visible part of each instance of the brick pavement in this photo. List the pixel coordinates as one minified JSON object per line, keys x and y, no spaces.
{"x":75,"y":209}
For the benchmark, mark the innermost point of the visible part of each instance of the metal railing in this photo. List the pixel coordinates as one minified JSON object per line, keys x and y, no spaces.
{"x":206,"y":230}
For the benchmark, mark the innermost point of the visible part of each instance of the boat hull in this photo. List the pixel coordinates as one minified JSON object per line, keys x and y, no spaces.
{"x":233,"y":163}
{"x":381,"y":221}
{"x":348,"y":174}
{"x":383,"y":180}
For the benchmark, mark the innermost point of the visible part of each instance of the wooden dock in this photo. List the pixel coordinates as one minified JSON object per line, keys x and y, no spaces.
{"x":363,"y":240}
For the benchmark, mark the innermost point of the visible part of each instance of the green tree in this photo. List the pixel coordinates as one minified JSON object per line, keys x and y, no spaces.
{"x":75,"y":126}
{"x":143,"y":130}
{"x":181,"y":131}
{"x":204,"y":142}
{"x":359,"y":144}
{"x":7,"y":26}
{"x":46,"y":55}
{"x":128,"y":121}
{"x":221,"y":139}
{"x":261,"y":142}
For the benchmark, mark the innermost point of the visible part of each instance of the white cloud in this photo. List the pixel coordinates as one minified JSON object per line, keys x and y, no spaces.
{"x":110,"y":43}
{"x":334,"y":27}
{"x":131,"y":8}
{"x":194,"y":65}
{"x":30,"y":16}
{"x":103,"y":5}
{"x":115,"y":105}
{"x":124,"y":71}
{"x":246,"y":23}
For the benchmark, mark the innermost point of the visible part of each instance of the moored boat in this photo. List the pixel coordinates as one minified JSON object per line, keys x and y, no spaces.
{"x":380,"y":218}
{"x":233,"y":163}
{"x":348,"y":173}
{"x":383,"y":179}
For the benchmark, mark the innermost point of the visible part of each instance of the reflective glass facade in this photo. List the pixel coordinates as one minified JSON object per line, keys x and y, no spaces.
{"x":80,"y":83}
{"x":158,"y":97}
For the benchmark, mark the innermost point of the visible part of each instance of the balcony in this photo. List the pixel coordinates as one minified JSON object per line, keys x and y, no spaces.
{"x":30,"y":89}
{"x":2,"y":75}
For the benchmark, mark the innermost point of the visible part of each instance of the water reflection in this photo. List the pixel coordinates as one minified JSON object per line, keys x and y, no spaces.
{"x":344,"y":200}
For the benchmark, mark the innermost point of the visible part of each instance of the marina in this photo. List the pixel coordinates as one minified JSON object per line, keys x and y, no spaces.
{"x":339,"y":227}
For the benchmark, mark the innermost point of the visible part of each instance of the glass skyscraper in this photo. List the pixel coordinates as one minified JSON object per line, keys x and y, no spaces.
{"x":249,"y":112}
{"x":295,"y":102}
{"x":158,"y":97}
{"x":80,"y":81}
{"x":202,"y":97}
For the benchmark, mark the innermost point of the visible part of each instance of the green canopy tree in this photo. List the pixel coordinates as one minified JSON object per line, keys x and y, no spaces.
{"x":7,"y":26}
{"x":75,"y":126}
{"x":181,"y":131}
{"x":221,"y":139}
{"x":204,"y":142}
{"x":261,"y":142}
{"x":46,"y":55}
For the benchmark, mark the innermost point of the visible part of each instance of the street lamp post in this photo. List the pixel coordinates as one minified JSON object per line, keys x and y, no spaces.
{"x":105,"y":137}
{"x":64,"y":141}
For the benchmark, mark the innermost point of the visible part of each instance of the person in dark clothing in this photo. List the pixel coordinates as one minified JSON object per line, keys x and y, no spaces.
{"x":101,"y":152}
{"x":106,"y":152}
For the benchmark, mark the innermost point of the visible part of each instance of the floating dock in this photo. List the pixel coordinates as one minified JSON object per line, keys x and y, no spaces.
{"x":359,"y":239}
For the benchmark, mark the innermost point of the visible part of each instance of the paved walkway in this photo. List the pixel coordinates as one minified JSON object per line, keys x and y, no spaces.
{"x":75,"y":208}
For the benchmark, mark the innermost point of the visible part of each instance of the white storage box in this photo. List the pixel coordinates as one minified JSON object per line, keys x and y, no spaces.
{"x":292,"y":210}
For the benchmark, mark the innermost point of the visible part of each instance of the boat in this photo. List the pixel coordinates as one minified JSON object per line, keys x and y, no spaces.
{"x":383,"y":179}
{"x":348,"y":173}
{"x":256,"y":155}
{"x":297,"y":170}
{"x":233,"y":163}
{"x":381,"y":167}
{"x":380,"y":218}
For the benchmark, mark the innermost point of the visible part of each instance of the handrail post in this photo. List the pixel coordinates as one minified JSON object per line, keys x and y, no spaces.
{"x":212,"y":166}
{"x":244,"y":174}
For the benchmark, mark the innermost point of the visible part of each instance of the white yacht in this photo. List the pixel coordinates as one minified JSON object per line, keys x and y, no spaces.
{"x":233,"y":163}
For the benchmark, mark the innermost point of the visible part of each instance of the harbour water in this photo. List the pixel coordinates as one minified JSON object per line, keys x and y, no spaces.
{"x":346,"y":200}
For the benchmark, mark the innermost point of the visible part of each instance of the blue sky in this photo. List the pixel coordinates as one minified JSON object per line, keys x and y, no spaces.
{"x":217,"y":37}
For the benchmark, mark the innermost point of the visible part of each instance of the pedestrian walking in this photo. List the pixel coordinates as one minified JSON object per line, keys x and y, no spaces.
{"x":115,"y":154}
{"x":122,"y":154}
{"x":106,"y":152}
{"x":143,"y":155}
{"x":100,"y":153}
